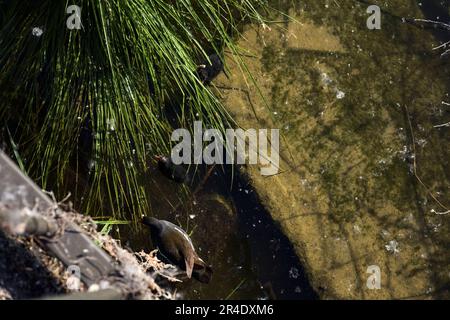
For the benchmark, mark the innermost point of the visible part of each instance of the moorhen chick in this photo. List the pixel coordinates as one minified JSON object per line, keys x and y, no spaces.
{"x":175,"y":245}
{"x":172,"y":171}
{"x":208,"y":70}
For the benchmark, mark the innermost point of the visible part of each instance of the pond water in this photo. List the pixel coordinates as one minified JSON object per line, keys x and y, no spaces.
{"x":250,"y":256}
{"x":367,"y":162}
{"x":342,"y":97}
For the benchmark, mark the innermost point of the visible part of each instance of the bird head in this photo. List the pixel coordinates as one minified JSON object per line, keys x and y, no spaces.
{"x":151,"y":222}
{"x":158,"y":158}
{"x":161,"y":159}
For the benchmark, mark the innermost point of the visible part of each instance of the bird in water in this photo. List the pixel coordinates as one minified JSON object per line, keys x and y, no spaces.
{"x":175,"y":245}
{"x":172,"y":171}
{"x":208,"y":70}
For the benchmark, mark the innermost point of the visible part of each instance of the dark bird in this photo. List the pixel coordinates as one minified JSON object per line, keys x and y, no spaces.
{"x":172,"y":171}
{"x":175,"y":245}
{"x":208,"y":70}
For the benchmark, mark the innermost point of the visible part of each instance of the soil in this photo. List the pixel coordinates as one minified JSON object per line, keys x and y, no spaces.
{"x":28,"y":272}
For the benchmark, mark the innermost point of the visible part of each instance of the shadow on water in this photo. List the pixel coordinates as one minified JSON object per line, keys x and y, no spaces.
{"x":251,"y":257}
{"x":273,"y":256}
{"x":437,"y":10}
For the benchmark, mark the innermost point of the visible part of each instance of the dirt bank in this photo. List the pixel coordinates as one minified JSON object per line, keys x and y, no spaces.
{"x":29,"y":272}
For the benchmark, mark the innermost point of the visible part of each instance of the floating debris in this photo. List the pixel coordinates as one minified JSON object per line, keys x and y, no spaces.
{"x":439,"y":213}
{"x":293,"y":273}
{"x":392,"y":247}
{"x":421,"y":142}
{"x":340,"y":94}
{"x":37,"y":32}
{"x":356,"y":228}
{"x":326,"y":79}
{"x":385,"y":234}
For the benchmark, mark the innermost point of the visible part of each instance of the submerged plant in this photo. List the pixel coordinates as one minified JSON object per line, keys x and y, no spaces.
{"x":98,"y":102}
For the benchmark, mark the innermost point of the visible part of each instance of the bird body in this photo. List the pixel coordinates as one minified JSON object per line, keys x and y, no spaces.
{"x":172,"y":171}
{"x":175,"y":244}
{"x":208,"y":70}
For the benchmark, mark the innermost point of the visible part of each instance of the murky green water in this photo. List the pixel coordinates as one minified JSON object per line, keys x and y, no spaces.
{"x":250,"y":257}
{"x":358,"y":110}
{"x":342,"y":96}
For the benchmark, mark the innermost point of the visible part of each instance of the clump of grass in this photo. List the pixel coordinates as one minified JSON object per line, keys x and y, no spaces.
{"x":96,"y":97}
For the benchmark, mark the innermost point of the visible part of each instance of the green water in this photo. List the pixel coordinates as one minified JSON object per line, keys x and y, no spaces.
{"x":344,"y":114}
{"x":355,"y":117}
{"x":359,"y":109}
{"x":250,"y":257}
